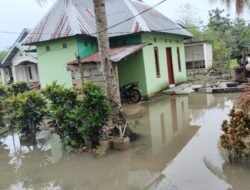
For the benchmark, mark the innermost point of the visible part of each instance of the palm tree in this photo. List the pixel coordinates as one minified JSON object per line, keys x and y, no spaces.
{"x":239,"y":4}
{"x":103,"y":45}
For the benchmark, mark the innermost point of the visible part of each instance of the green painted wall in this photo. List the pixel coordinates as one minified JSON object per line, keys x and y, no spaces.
{"x":162,"y":41}
{"x":86,"y":46}
{"x":132,"y":69}
{"x":123,"y":40}
{"x":52,"y":65}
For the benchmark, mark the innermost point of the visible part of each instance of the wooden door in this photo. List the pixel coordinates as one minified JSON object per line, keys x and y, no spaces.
{"x":170,"y":66}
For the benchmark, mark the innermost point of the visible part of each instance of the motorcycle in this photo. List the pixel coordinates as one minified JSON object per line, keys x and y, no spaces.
{"x":131,"y":92}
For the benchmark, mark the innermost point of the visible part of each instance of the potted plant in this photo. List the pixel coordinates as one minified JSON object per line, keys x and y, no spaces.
{"x":122,"y":142}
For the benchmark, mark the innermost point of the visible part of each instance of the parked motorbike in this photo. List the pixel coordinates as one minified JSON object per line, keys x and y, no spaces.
{"x":131,"y":92}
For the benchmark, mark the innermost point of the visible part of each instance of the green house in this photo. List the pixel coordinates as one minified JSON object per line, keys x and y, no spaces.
{"x":148,"y":48}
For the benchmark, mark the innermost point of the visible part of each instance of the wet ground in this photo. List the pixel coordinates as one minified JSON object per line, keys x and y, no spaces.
{"x":178,"y":150}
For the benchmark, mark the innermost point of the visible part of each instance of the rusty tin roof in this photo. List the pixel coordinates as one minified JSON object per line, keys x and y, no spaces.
{"x":116,"y":54}
{"x":76,"y":17}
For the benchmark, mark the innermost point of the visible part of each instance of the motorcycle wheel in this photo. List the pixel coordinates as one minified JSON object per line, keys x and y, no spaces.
{"x":135,"y":96}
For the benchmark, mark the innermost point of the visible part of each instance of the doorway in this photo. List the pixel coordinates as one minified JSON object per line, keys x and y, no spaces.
{"x":170,"y":66}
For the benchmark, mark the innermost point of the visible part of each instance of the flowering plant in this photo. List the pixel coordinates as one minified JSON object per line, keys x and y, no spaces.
{"x":106,"y":131}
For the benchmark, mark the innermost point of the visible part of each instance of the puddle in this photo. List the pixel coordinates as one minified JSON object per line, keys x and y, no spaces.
{"x":178,"y":150}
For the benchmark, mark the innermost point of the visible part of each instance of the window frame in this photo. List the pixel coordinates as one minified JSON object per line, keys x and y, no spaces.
{"x":157,"y":62}
{"x":179,"y":59}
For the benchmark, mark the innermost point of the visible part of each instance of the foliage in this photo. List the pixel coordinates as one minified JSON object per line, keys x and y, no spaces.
{"x":3,"y":95}
{"x":217,"y":22}
{"x":58,"y":95}
{"x":64,"y":114}
{"x":25,"y":111}
{"x":237,"y":130}
{"x":74,"y":119}
{"x":17,"y":88}
{"x":96,"y":111}
{"x":3,"y":54}
{"x":227,"y":37}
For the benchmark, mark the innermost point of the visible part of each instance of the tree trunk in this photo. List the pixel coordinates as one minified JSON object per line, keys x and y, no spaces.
{"x":110,"y":70}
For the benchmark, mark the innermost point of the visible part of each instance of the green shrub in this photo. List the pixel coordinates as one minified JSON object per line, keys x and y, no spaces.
{"x":62,"y":109}
{"x":3,"y":95}
{"x":17,"y":88}
{"x":95,"y":112}
{"x":25,"y":111}
{"x":235,"y":131}
{"x":74,"y":119}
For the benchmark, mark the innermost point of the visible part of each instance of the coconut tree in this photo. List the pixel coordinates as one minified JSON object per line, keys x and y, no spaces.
{"x":110,"y":70}
{"x":239,"y":4}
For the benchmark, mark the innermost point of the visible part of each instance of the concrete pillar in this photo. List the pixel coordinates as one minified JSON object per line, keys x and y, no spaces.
{"x":13,"y":68}
{"x":3,"y":76}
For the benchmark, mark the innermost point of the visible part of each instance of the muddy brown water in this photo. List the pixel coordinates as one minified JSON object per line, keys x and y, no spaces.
{"x":178,"y":150}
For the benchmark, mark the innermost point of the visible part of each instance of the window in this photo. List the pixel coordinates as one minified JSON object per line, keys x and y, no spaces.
{"x":64,"y":45}
{"x":179,"y":59}
{"x":157,"y":66}
{"x":30,"y":73}
{"x":47,"y":48}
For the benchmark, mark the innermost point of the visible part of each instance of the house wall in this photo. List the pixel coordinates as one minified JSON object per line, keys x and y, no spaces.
{"x":162,"y":41}
{"x":5,"y":75}
{"x":132,"y":69}
{"x":88,"y":73}
{"x":208,"y":54}
{"x":125,"y":40}
{"x":86,"y":46}
{"x":194,"y":52}
{"x":52,"y":64}
{"x":21,"y":72}
{"x":22,"y":57}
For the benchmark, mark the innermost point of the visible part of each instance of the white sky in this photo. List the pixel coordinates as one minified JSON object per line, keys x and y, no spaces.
{"x":17,"y":14}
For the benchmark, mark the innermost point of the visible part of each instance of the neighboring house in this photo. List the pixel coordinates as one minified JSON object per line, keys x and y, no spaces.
{"x":69,"y":29}
{"x":199,"y":56}
{"x":20,"y":64}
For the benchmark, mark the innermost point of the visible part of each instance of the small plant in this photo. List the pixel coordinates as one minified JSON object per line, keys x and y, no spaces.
{"x":121,"y":129}
{"x":25,"y":112}
{"x":237,"y":131}
{"x":18,"y":88}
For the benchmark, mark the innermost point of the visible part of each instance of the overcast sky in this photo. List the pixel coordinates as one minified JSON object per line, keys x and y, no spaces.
{"x":17,"y":14}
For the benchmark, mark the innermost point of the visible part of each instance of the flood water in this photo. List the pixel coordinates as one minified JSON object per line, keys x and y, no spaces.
{"x":178,"y":150}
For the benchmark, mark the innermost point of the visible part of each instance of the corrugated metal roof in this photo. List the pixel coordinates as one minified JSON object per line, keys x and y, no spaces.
{"x":116,"y":54}
{"x":74,"y":17}
{"x":17,"y":46}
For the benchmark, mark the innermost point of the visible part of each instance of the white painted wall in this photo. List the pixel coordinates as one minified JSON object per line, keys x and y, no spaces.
{"x":27,"y":73}
{"x":208,"y":55}
{"x":194,"y":52}
{"x":5,"y":76}
{"x":199,"y":52}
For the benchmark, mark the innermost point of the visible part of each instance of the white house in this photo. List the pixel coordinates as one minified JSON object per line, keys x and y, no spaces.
{"x":199,"y":55}
{"x":20,"y":64}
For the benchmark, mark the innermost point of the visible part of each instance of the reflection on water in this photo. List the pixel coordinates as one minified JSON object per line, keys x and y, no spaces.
{"x":178,"y":150}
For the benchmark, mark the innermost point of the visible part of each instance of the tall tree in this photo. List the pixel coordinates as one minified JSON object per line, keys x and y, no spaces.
{"x":239,"y":4}
{"x":103,"y":45}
